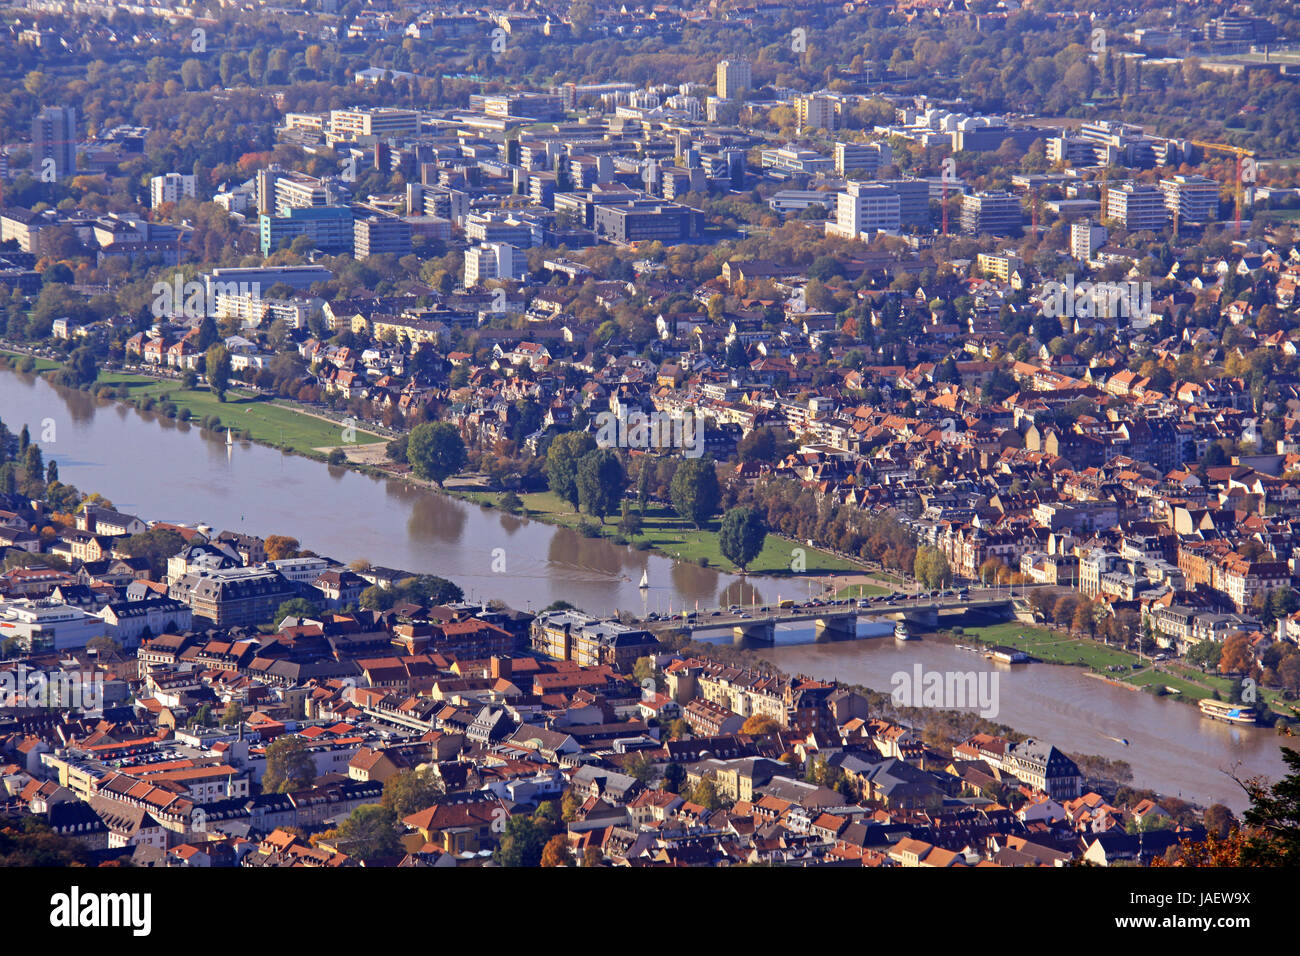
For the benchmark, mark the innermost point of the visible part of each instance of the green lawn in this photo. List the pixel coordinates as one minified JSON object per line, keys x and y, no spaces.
{"x":664,"y":531}
{"x":1051,"y":646}
{"x":1187,"y":689}
{"x":860,"y":591}
{"x":265,"y":421}
{"x":42,"y":364}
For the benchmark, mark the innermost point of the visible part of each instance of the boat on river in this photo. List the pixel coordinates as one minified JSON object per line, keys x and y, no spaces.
{"x":1228,"y":713}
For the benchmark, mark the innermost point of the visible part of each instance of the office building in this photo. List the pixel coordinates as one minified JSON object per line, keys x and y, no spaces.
{"x":646,"y":220}
{"x":493,"y":260}
{"x":1136,"y":206}
{"x":1192,"y":199}
{"x":861,"y":157}
{"x":734,"y":76}
{"x":54,"y":138}
{"x":1086,"y":237}
{"x":998,"y":214}
{"x":865,"y":209}
{"x":913,"y":200}
{"x":170,"y":187}
{"x":818,"y":111}
{"x":356,"y":123}
{"x":378,"y":234}
{"x":328,"y":227}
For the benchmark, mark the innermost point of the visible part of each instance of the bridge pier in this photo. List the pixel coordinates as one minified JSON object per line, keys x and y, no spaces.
{"x":839,"y":627}
{"x":925,"y":618}
{"x":764,"y":631}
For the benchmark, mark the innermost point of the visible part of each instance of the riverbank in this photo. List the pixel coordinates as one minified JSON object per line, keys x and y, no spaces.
{"x":664,"y":532}
{"x":1175,"y":679}
{"x":265,"y":421}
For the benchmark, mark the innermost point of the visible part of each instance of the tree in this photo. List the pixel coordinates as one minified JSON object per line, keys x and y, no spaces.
{"x":556,"y":851}
{"x":674,"y":777}
{"x":601,"y":481}
{"x":1273,"y":820}
{"x":521,"y":844}
{"x":233,"y":715}
{"x":104,"y":646}
{"x":81,"y":368}
{"x":436,"y":451}
{"x":288,"y":766}
{"x":629,"y":521}
{"x":931,"y":567}
{"x":1237,"y":657}
{"x":706,"y":793}
{"x":409,"y":791}
{"x":694,"y":491}
{"x":562,"y":463}
{"x":742,"y":535}
{"x":367,"y":834}
{"x":1219,"y":820}
{"x":295,"y":607}
{"x":216,"y":364}
{"x":156,"y":545}
{"x":278,"y":547}
{"x":1204,"y":653}
{"x":758,"y":725}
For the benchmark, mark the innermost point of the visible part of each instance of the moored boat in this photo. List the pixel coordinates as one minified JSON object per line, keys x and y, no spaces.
{"x":1228,"y":713}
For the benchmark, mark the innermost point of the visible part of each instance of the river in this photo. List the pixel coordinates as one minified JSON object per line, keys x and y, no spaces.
{"x":160,"y":469}
{"x":1171,"y":747}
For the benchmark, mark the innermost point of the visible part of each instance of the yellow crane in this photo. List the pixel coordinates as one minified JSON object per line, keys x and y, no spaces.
{"x":1245,"y":168}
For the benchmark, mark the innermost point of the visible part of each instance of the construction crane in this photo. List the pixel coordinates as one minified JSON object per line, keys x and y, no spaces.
{"x":1244,"y":157}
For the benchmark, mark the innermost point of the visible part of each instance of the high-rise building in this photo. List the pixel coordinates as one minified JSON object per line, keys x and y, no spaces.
{"x":493,"y":260}
{"x":818,"y":111}
{"x":351,"y":124}
{"x":1193,"y":199}
{"x":1136,"y":206}
{"x":377,"y":234}
{"x":866,"y":208}
{"x":998,"y":214}
{"x":734,"y":76}
{"x":1086,"y":237}
{"x":867,"y":157}
{"x":913,"y":200}
{"x":54,"y":137}
{"x":329,"y":227}
{"x":170,"y":187}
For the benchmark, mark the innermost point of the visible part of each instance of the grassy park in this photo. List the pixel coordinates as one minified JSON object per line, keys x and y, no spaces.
{"x":263,"y":420}
{"x":664,"y":531}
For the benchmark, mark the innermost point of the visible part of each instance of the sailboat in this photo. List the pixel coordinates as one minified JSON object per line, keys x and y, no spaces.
{"x":645,"y":580}
{"x":230,"y":439}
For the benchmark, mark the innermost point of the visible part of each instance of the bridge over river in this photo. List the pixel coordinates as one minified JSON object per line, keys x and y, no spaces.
{"x":831,"y":619}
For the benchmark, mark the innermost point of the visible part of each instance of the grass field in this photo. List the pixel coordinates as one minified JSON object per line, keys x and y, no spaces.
{"x":665,"y":532}
{"x":1051,"y":646}
{"x":264,"y":420}
{"x":42,"y":364}
{"x":860,"y":591}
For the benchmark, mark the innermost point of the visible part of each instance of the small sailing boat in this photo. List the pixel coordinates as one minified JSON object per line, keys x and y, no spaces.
{"x":645,"y":580}
{"x":230,"y":439}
